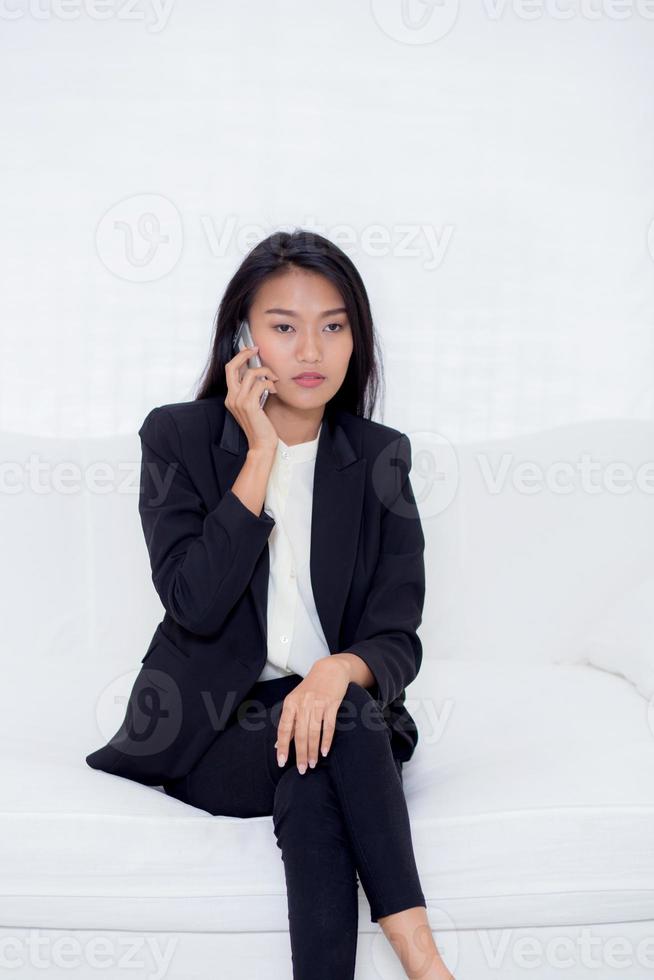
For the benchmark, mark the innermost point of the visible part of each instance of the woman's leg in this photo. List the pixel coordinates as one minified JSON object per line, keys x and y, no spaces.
{"x":366,"y":781}
{"x":232,"y":778}
{"x":326,"y":828}
{"x":321,"y":877}
{"x":237,"y":776}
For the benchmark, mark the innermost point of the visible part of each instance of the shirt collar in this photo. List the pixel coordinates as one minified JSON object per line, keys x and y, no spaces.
{"x":300,"y":453}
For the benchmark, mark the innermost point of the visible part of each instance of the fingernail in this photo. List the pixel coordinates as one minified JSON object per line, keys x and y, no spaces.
{"x":302,"y":768}
{"x":324,"y":751}
{"x":281,"y":760}
{"x":312,"y":763}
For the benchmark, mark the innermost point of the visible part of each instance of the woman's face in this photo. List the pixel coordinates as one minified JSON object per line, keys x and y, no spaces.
{"x":298,"y":319}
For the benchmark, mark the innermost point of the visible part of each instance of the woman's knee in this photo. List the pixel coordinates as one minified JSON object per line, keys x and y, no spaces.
{"x":359,"y":711}
{"x":303,"y":793}
{"x":303,"y":803}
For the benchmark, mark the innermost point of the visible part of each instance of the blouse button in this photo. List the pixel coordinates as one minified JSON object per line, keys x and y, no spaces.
{"x":284,"y":639}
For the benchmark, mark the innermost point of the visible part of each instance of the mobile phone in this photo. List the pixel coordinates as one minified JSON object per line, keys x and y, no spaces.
{"x":243,"y":338}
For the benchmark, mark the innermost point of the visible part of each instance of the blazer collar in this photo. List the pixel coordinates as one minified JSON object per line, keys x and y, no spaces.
{"x":338,"y":494}
{"x":333,"y":439}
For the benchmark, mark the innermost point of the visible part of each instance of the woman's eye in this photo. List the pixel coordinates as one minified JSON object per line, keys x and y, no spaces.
{"x":279,"y":327}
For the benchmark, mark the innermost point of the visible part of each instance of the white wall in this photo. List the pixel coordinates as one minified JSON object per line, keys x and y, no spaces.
{"x":515,"y":151}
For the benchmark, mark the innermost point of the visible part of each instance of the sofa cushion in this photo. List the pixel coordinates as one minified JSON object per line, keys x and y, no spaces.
{"x":529,"y":795}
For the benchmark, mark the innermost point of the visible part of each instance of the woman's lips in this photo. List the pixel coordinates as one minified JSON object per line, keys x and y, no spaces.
{"x":308,"y":382}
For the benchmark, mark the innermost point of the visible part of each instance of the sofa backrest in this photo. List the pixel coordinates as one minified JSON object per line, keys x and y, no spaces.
{"x":520,"y":569}
{"x":510,"y":574}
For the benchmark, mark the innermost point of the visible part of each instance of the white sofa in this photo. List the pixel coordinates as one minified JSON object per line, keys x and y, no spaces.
{"x":531,"y":791}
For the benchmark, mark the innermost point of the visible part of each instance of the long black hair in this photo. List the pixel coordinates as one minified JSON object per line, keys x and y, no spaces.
{"x":308,"y":250}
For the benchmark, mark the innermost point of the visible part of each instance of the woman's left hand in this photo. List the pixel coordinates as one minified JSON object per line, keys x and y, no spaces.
{"x":312,"y":704}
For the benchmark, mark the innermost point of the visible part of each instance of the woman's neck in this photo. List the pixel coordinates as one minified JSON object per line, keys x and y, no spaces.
{"x":294,"y":427}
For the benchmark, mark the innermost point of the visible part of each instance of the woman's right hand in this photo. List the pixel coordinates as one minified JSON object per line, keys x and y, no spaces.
{"x":243,"y":396}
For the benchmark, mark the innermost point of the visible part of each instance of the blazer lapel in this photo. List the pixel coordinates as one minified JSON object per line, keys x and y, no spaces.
{"x":339,"y":479}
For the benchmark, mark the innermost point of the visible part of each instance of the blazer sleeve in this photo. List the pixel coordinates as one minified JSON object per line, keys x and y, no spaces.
{"x":202,"y":561}
{"x":386,"y":635}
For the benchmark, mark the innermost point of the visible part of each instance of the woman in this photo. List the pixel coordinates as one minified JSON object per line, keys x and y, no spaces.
{"x":297,"y":592}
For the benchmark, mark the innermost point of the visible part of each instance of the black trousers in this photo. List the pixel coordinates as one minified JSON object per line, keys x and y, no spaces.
{"x":348,"y":815}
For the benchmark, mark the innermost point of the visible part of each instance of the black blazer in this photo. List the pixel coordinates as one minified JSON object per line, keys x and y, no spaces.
{"x":210,"y":566}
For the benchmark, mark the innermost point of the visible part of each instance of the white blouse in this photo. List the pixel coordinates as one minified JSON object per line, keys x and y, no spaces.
{"x":295,"y":636}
